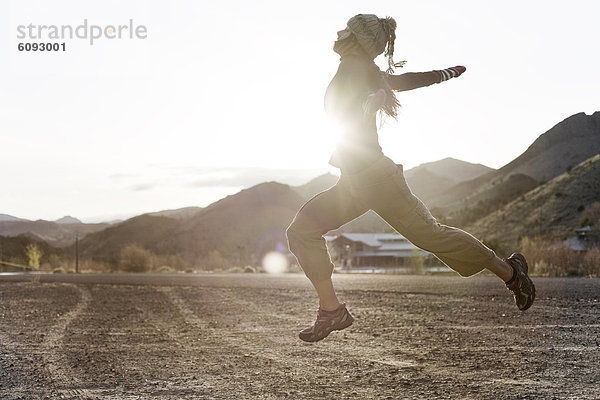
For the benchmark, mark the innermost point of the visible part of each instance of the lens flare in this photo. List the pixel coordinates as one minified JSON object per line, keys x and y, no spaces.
{"x":275,"y":263}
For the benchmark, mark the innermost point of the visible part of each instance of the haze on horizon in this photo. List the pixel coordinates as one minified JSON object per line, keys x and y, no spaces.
{"x":221,"y":96}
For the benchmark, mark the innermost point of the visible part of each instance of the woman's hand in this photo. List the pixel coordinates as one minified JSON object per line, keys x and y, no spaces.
{"x":452,"y":72}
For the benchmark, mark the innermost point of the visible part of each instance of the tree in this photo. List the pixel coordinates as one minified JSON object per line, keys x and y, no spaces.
{"x":34,"y":254}
{"x":134,"y":258}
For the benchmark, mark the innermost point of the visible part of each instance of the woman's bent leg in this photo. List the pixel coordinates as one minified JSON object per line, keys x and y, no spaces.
{"x":326,"y":211}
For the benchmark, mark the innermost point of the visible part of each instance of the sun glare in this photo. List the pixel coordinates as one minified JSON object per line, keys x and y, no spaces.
{"x":275,"y":263}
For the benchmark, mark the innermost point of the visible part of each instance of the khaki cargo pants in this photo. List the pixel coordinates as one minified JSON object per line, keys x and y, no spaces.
{"x":383,"y":189}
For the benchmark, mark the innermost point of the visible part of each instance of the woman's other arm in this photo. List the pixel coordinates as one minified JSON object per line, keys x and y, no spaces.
{"x":414,"y":80}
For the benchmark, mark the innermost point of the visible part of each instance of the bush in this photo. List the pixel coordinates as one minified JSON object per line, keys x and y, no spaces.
{"x":552,"y":259}
{"x":59,"y":271}
{"x":134,"y":258}
{"x":591,"y":262}
{"x":249,"y":269}
{"x":165,"y":269}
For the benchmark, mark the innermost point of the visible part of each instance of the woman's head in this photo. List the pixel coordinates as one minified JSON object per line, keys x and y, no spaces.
{"x":372,"y":34}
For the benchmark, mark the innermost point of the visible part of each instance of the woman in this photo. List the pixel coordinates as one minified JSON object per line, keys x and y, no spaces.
{"x":370,"y":180}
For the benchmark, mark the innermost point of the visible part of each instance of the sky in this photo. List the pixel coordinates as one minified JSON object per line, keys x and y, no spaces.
{"x":215,"y":97}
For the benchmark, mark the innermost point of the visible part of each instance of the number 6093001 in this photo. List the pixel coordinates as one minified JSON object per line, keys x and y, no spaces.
{"x":42,"y":46}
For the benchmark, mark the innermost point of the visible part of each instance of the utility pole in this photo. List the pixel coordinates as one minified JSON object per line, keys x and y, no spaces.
{"x":540,"y":222}
{"x":76,"y":253}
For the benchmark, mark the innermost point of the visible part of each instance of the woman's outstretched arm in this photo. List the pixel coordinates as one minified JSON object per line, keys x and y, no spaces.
{"x":414,"y":80}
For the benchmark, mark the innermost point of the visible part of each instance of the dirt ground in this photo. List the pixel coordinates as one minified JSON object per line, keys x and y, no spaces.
{"x":235,"y":337}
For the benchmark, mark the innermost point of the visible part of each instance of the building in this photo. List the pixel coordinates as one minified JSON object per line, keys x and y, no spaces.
{"x":587,"y":237}
{"x":376,"y":250}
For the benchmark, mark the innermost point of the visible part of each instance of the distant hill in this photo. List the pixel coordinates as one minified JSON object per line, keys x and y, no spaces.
{"x":552,"y":210}
{"x":68,"y":220}
{"x":53,"y":233}
{"x":6,"y":217}
{"x":451,"y":169}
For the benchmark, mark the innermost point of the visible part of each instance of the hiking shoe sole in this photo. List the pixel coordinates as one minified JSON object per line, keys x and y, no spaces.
{"x":520,"y":285}
{"x":327,"y":322}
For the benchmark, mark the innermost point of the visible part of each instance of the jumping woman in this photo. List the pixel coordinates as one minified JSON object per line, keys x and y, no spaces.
{"x":371,"y":181}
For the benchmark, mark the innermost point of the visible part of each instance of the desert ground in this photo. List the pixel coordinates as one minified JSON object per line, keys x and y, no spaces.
{"x":204,"y":336}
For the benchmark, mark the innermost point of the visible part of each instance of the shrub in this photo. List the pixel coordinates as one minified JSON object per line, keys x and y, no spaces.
{"x":249,"y":269}
{"x":165,"y":269}
{"x":59,"y":271}
{"x":551,"y":259}
{"x":591,"y":262}
{"x":134,"y":258}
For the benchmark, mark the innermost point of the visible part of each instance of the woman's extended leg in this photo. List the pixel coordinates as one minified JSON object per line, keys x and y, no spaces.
{"x":456,"y":248}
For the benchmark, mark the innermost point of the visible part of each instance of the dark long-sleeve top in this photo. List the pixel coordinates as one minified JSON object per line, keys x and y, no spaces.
{"x":356,"y":78}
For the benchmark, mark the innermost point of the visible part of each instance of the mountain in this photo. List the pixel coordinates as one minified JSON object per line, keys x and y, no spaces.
{"x":552,"y":175}
{"x":68,"y":220}
{"x":565,"y":145}
{"x":180,"y":213}
{"x":150,"y":232}
{"x":450,"y":169}
{"x":552,"y":209}
{"x":53,"y":233}
{"x":430,"y":180}
{"x":241,"y":227}
{"x":5,"y":217}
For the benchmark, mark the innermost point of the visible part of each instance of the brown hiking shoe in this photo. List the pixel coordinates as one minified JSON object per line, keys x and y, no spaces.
{"x":520,"y":285}
{"x":327,"y":321}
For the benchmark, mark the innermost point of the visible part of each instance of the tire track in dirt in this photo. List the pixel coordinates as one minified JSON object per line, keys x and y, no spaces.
{"x":12,"y":374}
{"x":241,"y":352}
{"x":301,"y":365}
{"x":59,"y":374}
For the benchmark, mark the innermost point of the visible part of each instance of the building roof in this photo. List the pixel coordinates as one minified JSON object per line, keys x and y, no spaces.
{"x":391,"y":253}
{"x":371,"y":239}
